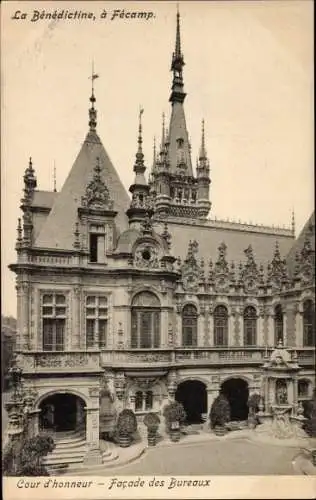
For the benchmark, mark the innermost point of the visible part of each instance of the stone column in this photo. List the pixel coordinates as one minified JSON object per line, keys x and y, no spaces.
{"x":230,"y":329}
{"x":93,"y":455}
{"x":23,"y":315}
{"x":237,"y":336}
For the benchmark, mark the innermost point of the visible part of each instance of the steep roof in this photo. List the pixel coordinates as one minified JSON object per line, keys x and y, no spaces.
{"x":237,"y":237}
{"x":44,"y":199}
{"x":178,"y":130}
{"x":308,"y":230}
{"x":58,"y":229}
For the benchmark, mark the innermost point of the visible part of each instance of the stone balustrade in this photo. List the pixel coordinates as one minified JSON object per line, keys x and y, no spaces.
{"x":90,"y":361}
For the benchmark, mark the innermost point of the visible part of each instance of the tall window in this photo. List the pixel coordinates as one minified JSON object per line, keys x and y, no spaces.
{"x":145,"y":321}
{"x":308,"y":323}
{"x":250,"y":326}
{"x":278,"y":324}
{"x":97,"y":244}
{"x":143,"y":401}
{"x":220,"y":326}
{"x":53,"y":321}
{"x":189,"y":325}
{"x":96,"y":321}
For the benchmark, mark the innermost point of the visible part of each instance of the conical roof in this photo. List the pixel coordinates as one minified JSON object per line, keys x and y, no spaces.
{"x":57,"y":231}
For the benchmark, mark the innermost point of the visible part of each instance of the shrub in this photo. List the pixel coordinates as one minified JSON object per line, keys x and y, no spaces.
{"x":25,"y":458}
{"x":310,"y":425}
{"x":174,"y":412}
{"x":220,"y":412}
{"x":126,"y":422}
{"x":152,"y":421}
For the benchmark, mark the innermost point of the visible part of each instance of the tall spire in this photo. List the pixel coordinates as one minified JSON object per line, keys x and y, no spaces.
{"x":140,"y":204}
{"x":92,"y":110}
{"x":139,"y":166}
{"x":203,"y":154}
{"x":177,"y":63}
{"x":293,"y":222}
{"x":54,"y":177}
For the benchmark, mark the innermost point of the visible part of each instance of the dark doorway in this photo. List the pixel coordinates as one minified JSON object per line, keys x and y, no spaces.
{"x":62,"y":412}
{"x":237,"y":392}
{"x":192,"y":394}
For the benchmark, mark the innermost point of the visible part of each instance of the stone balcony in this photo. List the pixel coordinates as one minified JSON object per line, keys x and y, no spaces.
{"x":199,"y":356}
{"x":81,"y":362}
{"x":77,"y":362}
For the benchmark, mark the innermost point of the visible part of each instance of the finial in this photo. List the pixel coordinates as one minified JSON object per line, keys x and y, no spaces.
{"x":19,"y":237}
{"x":77,"y":236}
{"x":54,"y":177}
{"x":92,"y":110}
{"x":163,"y":131}
{"x":140,"y":140}
{"x":154,"y":154}
{"x":178,"y":39}
{"x":203,"y":149}
{"x":293,"y":222}
{"x":97,"y":169}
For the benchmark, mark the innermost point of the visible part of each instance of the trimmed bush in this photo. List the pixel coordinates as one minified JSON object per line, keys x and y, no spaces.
{"x":174,"y":412}
{"x":220,"y":412}
{"x":26,"y":458}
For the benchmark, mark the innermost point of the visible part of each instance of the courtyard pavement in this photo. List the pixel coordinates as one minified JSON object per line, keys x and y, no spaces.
{"x":214,"y":457}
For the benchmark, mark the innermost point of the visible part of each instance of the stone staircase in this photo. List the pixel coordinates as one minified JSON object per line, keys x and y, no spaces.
{"x":70,"y":451}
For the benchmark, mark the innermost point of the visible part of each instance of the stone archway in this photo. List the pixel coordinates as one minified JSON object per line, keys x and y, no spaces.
{"x":62,"y":412}
{"x":236,"y":391}
{"x":192,"y":394}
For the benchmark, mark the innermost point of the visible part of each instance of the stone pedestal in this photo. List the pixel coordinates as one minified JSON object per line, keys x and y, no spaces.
{"x":93,"y":455}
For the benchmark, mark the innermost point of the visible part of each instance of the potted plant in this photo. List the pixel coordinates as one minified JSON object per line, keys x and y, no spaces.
{"x":175,"y":416}
{"x":152,"y":421}
{"x":253,"y":405}
{"x":126,"y":427}
{"x":220,"y":415}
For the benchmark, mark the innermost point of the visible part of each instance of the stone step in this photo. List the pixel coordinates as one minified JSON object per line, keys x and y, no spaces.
{"x":59,"y":445}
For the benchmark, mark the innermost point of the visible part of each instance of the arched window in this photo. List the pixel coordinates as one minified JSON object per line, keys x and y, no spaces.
{"x":250,"y":326}
{"x":145,"y":331}
{"x":220,"y":326}
{"x":189,"y":325}
{"x":308,"y":324}
{"x":278,"y":324}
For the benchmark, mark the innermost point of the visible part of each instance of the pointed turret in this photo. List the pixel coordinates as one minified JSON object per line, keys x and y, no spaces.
{"x":177,"y":94}
{"x":30,"y":183}
{"x":140,"y":207}
{"x":203,"y":177}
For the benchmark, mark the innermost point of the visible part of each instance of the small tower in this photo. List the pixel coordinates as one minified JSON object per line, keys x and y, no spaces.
{"x":140,"y":207}
{"x":203,"y":178}
{"x":30,"y":184}
{"x":162,"y":187}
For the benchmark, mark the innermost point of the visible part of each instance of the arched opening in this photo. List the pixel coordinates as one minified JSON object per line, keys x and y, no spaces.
{"x":236,"y":391}
{"x":189,"y":325}
{"x":145,"y":321}
{"x":278,"y":324}
{"x":250,"y":326}
{"x":62,"y":413}
{"x":220,"y":326}
{"x":308,"y":323}
{"x":192,"y":394}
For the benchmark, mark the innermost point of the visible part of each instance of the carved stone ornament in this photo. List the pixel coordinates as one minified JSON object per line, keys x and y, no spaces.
{"x":277,"y":272}
{"x":221,"y":270}
{"x":249,"y":272}
{"x":97,"y":194}
{"x":146,"y":256}
{"x":191,"y":271}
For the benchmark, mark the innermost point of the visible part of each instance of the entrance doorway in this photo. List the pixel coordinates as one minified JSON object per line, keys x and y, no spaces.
{"x":62,"y":412}
{"x":236,"y":391}
{"x":192,"y":394}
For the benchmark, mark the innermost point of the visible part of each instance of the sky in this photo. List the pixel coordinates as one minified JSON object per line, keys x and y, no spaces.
{"x":248,"y":73}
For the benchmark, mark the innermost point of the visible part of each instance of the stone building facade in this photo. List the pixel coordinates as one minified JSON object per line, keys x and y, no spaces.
{"x":130,"y":301}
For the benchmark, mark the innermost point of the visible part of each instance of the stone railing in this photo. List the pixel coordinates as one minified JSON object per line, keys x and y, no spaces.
{"x":306,"y":356}
{"x":61,"y":362}
{"x":183,"y":356}
{"x":55,"y":260}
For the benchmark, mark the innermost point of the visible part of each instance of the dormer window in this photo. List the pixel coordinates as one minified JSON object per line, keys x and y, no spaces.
{"x":97,"y":244}
{"x":180,"y":143}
